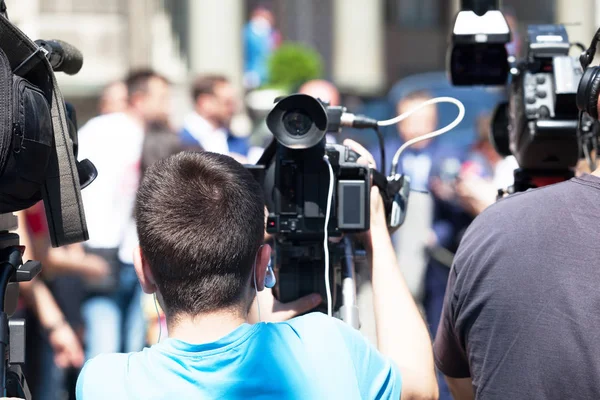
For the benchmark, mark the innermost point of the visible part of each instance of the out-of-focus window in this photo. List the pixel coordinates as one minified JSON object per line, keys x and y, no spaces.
{"x":83,"y":6}
{"x":416,"y":14}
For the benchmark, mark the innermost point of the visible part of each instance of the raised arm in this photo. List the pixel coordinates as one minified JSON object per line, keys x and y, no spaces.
{"x":401,"y":332}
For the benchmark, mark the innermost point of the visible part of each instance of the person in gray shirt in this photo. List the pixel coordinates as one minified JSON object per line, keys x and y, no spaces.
{"x":521,"y":314}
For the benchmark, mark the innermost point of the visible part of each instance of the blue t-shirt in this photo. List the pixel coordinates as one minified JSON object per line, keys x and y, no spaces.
{"x":310,"y":357}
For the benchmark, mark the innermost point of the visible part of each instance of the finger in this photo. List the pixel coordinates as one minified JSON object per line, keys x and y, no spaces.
{"x":375,"y":194}
{"x":360,"y":150}
{"x":61,"y":359}
{"x":300,"y":306}
{"x":77,"y":357}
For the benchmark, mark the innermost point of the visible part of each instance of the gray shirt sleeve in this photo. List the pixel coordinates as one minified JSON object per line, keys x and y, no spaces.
{"x":448,"y":349}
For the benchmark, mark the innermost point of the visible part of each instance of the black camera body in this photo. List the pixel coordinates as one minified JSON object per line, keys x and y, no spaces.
{"x":301,"y":181}
{"x":543,"y":112}
{"x":301,"y":193}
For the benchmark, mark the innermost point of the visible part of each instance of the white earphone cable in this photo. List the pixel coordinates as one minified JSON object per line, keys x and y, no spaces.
{"x":326,"y":238}
{"x":158,"y":318}
{"x":447,"y":128}
{"x":255,"y":286}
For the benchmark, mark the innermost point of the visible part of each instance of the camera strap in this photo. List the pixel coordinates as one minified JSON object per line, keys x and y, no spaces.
{"x":61,"y":191}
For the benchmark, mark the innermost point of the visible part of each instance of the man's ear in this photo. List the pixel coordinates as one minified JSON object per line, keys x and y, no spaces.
{"x":143,"y":272}
{"x":262,"y":261}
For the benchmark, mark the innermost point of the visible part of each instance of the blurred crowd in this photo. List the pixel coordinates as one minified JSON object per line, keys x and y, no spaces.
{"x":88,"y":300}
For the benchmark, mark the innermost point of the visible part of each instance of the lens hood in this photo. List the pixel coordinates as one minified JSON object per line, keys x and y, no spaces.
{"x":298,"y":121}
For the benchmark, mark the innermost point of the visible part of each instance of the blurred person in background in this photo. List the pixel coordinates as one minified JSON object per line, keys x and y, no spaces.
{"x":113,"y":142}
{"x":323,"y":90}
{"x":481,"y":179}
{"x":416,"y":162}
{"x":54,"y":336}
{"x":260,"y":39}
{"x":208,"y":126}
{"x":53,"y":347}
{"x":113,"y":98}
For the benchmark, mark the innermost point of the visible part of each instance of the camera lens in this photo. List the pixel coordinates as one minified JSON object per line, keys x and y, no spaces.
{"x":297,"y":122}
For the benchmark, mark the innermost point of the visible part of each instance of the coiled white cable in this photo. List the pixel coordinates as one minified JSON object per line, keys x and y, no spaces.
{"x":448,"y":128}
{"x":326,"y":238}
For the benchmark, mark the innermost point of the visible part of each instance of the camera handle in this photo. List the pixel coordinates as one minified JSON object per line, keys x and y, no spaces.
{"x":349,"y":310}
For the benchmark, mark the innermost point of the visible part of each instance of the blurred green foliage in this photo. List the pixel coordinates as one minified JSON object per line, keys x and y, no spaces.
{"x":292,"y":64}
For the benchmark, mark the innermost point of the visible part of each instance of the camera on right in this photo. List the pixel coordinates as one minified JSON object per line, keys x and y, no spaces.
{"x":550,"y":121}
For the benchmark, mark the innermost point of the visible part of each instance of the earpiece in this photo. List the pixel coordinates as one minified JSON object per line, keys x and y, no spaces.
{"x":589,"y":86}
{"x":588,"y":91}
{"x":270,"y":279}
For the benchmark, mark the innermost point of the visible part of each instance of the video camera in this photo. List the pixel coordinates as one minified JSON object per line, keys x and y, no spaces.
{"x":315,"y":191}
{"x":38,"y":148}
{"x":302,"y":187}
{"x":542,"y":123}
{"x":539,"y":124}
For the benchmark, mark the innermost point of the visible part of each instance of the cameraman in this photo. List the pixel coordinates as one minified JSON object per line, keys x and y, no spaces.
{"x":520,"y":317}
{"x":201,"y":224}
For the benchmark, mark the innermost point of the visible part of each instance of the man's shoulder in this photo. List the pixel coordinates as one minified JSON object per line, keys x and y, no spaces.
{"x":321,"y":330}
{"x":92,"y":381}
{"x":527,"y":204}
{"x":111,"y":364}
{"x":518,"y":225}
{"x":309,"y":321}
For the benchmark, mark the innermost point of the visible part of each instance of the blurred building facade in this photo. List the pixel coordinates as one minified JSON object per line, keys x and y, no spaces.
{"x":366,"y":45}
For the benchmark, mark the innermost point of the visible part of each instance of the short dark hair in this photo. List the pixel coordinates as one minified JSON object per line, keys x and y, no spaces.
{"x":137,"y":80}
{"x":200,"y":221}
{"x":206,"y":84}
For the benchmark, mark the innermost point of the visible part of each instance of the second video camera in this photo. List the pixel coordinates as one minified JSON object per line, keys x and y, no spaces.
{"x":539,"y":125}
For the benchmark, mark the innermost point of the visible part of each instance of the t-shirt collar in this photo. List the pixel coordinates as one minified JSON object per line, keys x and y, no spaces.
{"x":233,"y":339}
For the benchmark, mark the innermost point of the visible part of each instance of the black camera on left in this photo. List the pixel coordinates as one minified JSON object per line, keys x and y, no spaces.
{"x":38,"y":138}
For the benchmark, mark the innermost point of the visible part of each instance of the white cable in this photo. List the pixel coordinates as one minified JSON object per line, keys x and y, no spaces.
{"x":256,"y":289}
{"x":454,"y":124}
{"x":158,"y":318}
{"x":326,"y":239}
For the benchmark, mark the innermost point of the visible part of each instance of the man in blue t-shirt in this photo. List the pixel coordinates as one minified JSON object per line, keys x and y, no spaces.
{"x":201,"y":224}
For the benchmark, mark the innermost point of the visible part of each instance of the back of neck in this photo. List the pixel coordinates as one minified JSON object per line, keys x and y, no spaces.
{"x":204,"y":328}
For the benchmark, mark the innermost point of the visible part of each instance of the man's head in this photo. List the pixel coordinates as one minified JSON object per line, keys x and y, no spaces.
{"x":149,"y":96}
{"x":215,"y":99}
{"x":323,"y":90}
{"x":263,"y":15}
{"x":200,"y":221}
{"x":113,"y":98}
{"x":420,"y":123}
